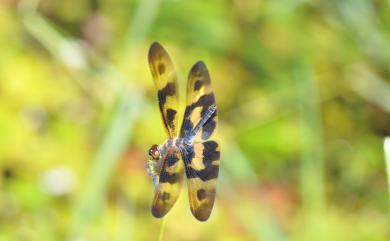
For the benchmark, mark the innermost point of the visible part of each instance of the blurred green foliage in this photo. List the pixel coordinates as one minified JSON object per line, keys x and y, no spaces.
{"x":303,"y":93}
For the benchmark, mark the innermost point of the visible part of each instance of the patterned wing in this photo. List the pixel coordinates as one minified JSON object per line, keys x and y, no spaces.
{"x":201,"y":154}
{"x":165,"y":80}
{"x":202,"y":165}
{"x":170,"y":182}
{"x":200,"y":116}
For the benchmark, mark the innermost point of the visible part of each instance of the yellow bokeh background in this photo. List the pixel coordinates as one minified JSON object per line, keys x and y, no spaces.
{"x":303,"y":95}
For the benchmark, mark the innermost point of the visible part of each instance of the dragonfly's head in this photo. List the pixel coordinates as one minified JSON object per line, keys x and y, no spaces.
{"x":154,"y":152}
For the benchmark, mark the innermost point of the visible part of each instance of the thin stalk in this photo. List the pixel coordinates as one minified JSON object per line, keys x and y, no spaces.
{"x":162,"y":228}
{"x":311,"y":140}
{"x":312,"y":166}
{"x":386,"y":147}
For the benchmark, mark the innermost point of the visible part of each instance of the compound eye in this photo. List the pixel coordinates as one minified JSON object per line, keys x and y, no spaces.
{"x":154,"y":153}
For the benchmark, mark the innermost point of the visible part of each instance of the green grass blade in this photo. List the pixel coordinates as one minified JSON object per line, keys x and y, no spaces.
{"x":105,"y":161}
{"x":312,"y":170}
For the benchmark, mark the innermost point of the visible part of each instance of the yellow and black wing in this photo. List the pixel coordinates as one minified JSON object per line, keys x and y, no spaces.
{"x":165,"y":80}
{"x":170,"y":182}
{"x":201,"y":154}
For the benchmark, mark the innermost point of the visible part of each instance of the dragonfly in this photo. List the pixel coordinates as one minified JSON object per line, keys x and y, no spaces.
{"x":192,"y":149}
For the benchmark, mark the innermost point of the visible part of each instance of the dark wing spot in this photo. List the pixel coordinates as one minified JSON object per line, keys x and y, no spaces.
{"x":161,"y":69}
{"x":165,"y":196}
{"x":210,"y":171}
{"x":210,"y":152}
{"x":172,"y":159}
{"x":166,"y":177}
{"x":200,"y":70}
{"x":201,"y":194}
{"x":158,"y":211}
{"x":208,"y":129}
{"x":188,"y":111}
{"x":170,"y":117}
{"x":155,"y":51}
{"x":204,"y":101}
{"x":168,"y":90}
{"x":198,"y":84}
{"x":187,"y":153}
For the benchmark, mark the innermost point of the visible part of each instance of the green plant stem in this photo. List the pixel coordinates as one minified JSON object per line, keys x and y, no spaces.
{"x":386,"y":147}
{"x":312,"y":174}
{"x":162,"y":228}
